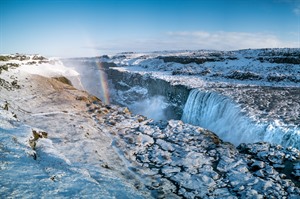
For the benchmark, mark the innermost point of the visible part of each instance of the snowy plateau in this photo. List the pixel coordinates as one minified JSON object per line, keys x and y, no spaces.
{"x":168,"y":124}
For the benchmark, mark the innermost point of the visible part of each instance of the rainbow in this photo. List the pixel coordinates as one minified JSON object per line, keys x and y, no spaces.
{"x":104,"y":92}
{"x":104,"y":84}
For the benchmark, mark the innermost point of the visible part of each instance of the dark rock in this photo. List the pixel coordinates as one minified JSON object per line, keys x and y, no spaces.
{"x":188,"y":60}
{"x":241,"y":75}
{"x":257,"y":165}
{"x":276,"y":78}
{"x":63,"y":80}
{"x":38,"y":57}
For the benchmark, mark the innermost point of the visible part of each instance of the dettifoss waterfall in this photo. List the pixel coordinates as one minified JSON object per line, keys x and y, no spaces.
{"x":224,"y":117}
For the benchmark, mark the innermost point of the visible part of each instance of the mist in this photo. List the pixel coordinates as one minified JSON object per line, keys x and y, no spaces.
{"x":153,"y":107}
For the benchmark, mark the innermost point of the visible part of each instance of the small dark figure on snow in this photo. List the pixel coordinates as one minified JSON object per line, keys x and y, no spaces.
{"x":6,"y":105}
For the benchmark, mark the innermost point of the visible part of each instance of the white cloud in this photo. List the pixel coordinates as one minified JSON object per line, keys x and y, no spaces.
{"x":229,"y":40}
{"x":297,"y":10}
{"x":295,"y":4}
{"x":197,"y":40}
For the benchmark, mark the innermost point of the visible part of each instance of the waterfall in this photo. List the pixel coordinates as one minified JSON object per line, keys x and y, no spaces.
{"x":224,"y":117}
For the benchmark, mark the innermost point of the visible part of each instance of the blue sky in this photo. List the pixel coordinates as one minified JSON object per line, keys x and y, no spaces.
{"x":94,"y":27}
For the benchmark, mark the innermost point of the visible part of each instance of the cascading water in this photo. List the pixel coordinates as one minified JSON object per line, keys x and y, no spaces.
{"x":223,"y":116}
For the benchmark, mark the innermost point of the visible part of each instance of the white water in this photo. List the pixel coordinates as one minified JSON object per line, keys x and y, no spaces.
{"x":224,"y":117}
{"x":153,"y":107}
{"x":140,"y":102}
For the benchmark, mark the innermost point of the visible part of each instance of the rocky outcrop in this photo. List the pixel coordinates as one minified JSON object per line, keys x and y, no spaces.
{"x":63,"y":80}
{"x":177,"y":160}
{"x":288,"y":56}
{"x":188,"y":60}
{"x":5,"y":67}
{"x":285,"y":160}
{"x":9,"y":85}
{"x":199,"y":57}
{"x":240,"y":75}
{"x":285,"y":60}
{"x":39,"y":57}
{"x":281,"y":77}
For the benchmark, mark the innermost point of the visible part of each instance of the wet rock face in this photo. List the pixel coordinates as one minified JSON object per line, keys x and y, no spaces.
{"x":176,"y":95}
{"x":177,"y":160}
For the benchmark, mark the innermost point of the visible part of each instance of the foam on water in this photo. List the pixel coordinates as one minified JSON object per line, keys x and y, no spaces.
{"x":223,"y":116}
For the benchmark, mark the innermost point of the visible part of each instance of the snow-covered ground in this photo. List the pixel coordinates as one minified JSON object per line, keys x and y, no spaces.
{"x":262,"y":67}
{"x":92,"y":150}
{"x":75,"y":160}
